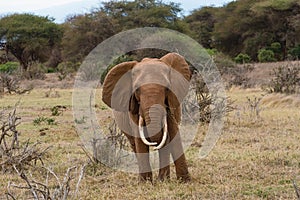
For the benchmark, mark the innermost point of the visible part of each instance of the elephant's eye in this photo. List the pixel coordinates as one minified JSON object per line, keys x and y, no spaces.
{"x":137,"y":94}
{"x":137,"y":91}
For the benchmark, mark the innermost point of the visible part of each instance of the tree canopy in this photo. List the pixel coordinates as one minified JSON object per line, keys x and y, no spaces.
{"x":29,"y":37}
{"x":142,"y":13}
{"x":84,"y":32}
{"x":248,"y":25}
{"x":242,"y":27}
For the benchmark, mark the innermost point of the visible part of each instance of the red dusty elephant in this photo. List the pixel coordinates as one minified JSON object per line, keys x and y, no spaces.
{"x":146,"y":98}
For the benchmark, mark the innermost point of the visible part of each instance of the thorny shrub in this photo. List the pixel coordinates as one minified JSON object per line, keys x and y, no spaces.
{"x":286,"y":79}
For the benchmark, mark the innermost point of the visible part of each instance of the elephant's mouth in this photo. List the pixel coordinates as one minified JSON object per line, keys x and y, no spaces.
{"x":144,"y":139}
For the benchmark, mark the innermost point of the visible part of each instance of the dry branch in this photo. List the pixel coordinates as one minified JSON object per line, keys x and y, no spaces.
{"x":254,"y":105}
{"x":297,"y":190}
{"x":11,"y":84}
{"x":39,"y":190}
{"x":79,"y":180}
{"x":20,"y":159}
{"x":11,"y":152}
{"x":206,"y":100}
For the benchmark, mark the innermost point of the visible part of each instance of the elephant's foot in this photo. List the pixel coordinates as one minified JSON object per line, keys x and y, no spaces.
{"x":184,"y":177}
{"x":143,"y":177}
{"x":182,"y":171}
{"x":164,"y":173}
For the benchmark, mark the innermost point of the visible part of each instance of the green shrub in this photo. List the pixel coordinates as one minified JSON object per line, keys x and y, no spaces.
{"x":51,"y":70}
{"x":295,"y":52}
{"x":223,"y":63}
{"x":67,"y":68}
{"x":9,"y":67}
{"x":58,"y":110}
{"x":44,"y":120}
{"x":123,"y":58}
{"x":276,"y":47}
{"x":212,"y":52}
{"x":242,"y":58}
{"x":265,"y":55}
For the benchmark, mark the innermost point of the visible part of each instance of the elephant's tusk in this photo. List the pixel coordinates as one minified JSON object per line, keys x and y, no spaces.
{"x":142,"y":135}
{"x":164,"y":139}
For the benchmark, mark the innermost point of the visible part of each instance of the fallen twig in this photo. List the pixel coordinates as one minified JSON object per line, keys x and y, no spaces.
{"x":297,"y":190}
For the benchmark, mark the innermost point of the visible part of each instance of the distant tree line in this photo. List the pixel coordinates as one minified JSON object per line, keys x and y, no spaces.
{"x":244,"y":30}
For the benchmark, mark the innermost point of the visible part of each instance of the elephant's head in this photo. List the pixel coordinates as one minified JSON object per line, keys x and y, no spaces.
{"x":150,"y":90}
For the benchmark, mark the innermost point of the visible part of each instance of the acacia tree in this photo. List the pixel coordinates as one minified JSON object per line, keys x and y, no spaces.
{"x":84,"y":32}
{"x":246,"y":26}
{"x":283,"y":19}
{"x":29,"y":37}
{"x":238,"y":25}
{"x":202,"y":22}
{"x":145,"y":13}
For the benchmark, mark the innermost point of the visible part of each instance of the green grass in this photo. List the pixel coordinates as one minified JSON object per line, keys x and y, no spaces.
{"x":255,"y":158}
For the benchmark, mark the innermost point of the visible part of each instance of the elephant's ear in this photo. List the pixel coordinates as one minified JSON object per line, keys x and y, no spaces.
{"x":178,"y":63}
{"x":180,"y":75}
{"x":117,"y":86}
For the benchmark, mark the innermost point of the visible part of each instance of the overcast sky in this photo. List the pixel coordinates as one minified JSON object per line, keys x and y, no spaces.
{"x":42,"y":7}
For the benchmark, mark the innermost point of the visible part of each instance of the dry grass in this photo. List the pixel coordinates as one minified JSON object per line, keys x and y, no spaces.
{"x":255,"y":158}
{"x":282,"y":101}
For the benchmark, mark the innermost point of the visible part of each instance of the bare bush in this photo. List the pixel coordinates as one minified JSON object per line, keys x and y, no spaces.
{"x":108,"y":149}
{"x":12,"y":84}
{"x":66,"y":69}
{"x":35,"y":70}
{"x":1,"y":88}
{"x":239,"y":75}
{"x":116,"y":136}
{"x":90,"y":72}
{"x":22,"y":159}
{"x":254,"y":106}
{"x":59,"y":190}
{"x":204,"y":100}
{"x":251,"y":110}
{"x":286,"y":79}
{"x":52,"y":93}
{"x":12,"y":154}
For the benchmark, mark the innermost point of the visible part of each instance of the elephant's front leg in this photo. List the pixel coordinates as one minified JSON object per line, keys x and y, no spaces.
{"x":142,"y":154}
{"x":177,"y":152}
{"x":164,"y":163}
{"x":181,"y":167}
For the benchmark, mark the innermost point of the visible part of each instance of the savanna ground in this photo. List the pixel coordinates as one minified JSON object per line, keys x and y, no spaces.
{"x":256,"y":157}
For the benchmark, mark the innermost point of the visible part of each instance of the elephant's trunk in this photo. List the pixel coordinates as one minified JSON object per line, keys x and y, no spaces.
{"x":156,"y":126}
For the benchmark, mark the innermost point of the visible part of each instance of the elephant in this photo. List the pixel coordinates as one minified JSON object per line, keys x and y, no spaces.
{"x":146,"y":99}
